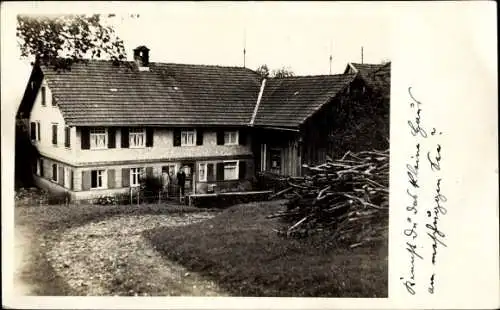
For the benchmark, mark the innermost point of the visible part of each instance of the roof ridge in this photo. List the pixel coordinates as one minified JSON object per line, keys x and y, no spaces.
{"x":163,"y":63}
{"x":311,"y":75}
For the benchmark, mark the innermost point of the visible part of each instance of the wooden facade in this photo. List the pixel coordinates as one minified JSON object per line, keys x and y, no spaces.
{"x":355,"y":120}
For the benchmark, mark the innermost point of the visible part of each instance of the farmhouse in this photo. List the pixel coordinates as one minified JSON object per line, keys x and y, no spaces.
{"x":99,"y":127}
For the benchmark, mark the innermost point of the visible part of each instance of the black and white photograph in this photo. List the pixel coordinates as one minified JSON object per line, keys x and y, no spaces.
{"x":217,"y":150}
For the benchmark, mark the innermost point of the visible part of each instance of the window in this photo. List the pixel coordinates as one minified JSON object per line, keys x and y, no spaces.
{"x":67,"y":136}
{"x":188,"y":138}
{"x":135,"y":176}
{"x":98,"y":137}
{"x":54,"y":172}
{"x":137,"y":137}
{"x":230,"y":137}
{"x":230,"y":170}
{"x":54,"y":101}
{"x":97,"y":179}
{"x":170,"y":169}
{"x":203,"y":172}
{"x":43,"y":96}
{"x":54,"y":134}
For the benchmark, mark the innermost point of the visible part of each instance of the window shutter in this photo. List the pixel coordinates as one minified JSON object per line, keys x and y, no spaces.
{"x":54,"y":134}
{"x":220,"y":137}
{"x":43,"y":95}
{"x":41,"y":168}
{"x":111,"y":138}
{"x":243,"y":170}
{"x":199,"y":136}
{"x":125,"y":177}
{"x":111,"y":178}
{"x":125,"y":142}
{"x":71,"y":178}
{"x":210,"y":173}
{"x":85,"y":180}
{"x":220,"y":171}
{"x":39,"y":137}
{"x":177,"y":137}
{"x":149,"y":137}
{"x":33,"y":130}
{"x":85,"y":138}
{"x":67,"y":137}
{"x":60,"y":180}
{"x":54,"y":172}
{"x":149,"y":171}
{"x":242,"y":136}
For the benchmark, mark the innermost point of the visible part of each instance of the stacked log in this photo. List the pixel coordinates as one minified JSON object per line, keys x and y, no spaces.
{"x":348,"y":198}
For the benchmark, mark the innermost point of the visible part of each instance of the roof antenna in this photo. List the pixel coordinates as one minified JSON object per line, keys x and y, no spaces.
{"x":330,"y":72}
{"x":361,"y":54}
{"x":244,"y":47}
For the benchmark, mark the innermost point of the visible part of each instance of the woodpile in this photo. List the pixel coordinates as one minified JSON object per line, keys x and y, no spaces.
{"x":347,"y":198}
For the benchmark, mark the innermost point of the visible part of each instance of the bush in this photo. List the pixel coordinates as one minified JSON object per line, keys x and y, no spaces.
{"x":150,"y":187}
{"x":58,"y":198}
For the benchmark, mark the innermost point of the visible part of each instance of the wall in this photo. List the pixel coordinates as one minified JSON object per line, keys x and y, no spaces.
{"x":47,"y":115}
{"x":286,"y":143}
{"x":75,"y":188}
{"x":162,"y":149}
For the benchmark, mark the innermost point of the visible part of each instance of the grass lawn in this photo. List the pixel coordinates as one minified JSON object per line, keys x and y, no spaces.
{"x":44,"y":223}
{"x":239,"y":249}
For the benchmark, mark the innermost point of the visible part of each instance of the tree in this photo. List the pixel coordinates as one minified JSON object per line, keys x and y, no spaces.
{"x":282,"y":72}
{"x":263,"y":70}
{"x":62,"y":40}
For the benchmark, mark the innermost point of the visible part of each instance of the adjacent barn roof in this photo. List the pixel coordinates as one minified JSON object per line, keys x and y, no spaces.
{"x":100,"y":93}
{"x":288,"y":102}
{"x":376,"y":76}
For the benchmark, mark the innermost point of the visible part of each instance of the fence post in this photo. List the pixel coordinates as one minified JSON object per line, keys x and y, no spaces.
{"x":130,"y":194}
{"x":138,"y":193}
{"x":159,"y":197}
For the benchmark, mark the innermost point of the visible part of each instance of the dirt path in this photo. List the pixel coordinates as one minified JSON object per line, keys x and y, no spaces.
{"x":21,"y":259}
{"x":112,"y":258}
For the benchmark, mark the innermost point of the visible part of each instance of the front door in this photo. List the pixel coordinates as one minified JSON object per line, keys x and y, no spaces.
{"x":189,"y":170}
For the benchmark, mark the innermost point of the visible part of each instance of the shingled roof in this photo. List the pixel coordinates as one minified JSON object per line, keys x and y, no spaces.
{"x":100,"y":93}
{"x":376,"y":76}
{"x":288,"y":102}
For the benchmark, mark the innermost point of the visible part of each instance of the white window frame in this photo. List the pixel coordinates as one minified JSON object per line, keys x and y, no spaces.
{"x":95,"y":136}
{"x":135,"y":135}
{"x":102,"y":173}
{"x":237,"y":167}
{"x":229,"y":134}
{"x":136,"y":172}
{"x":202,"y":178}
{"x":184,"y":136}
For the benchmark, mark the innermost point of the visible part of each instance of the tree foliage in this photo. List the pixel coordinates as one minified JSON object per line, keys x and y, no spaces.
{"x":64,"y":39}
{"x":264,"y":72}
{"x":282,"y":73}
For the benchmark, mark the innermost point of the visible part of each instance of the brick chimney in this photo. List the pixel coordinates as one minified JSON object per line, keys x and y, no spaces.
{"x":141,"y":57}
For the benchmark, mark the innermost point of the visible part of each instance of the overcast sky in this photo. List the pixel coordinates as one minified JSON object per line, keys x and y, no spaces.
{"x":300,"y":36}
